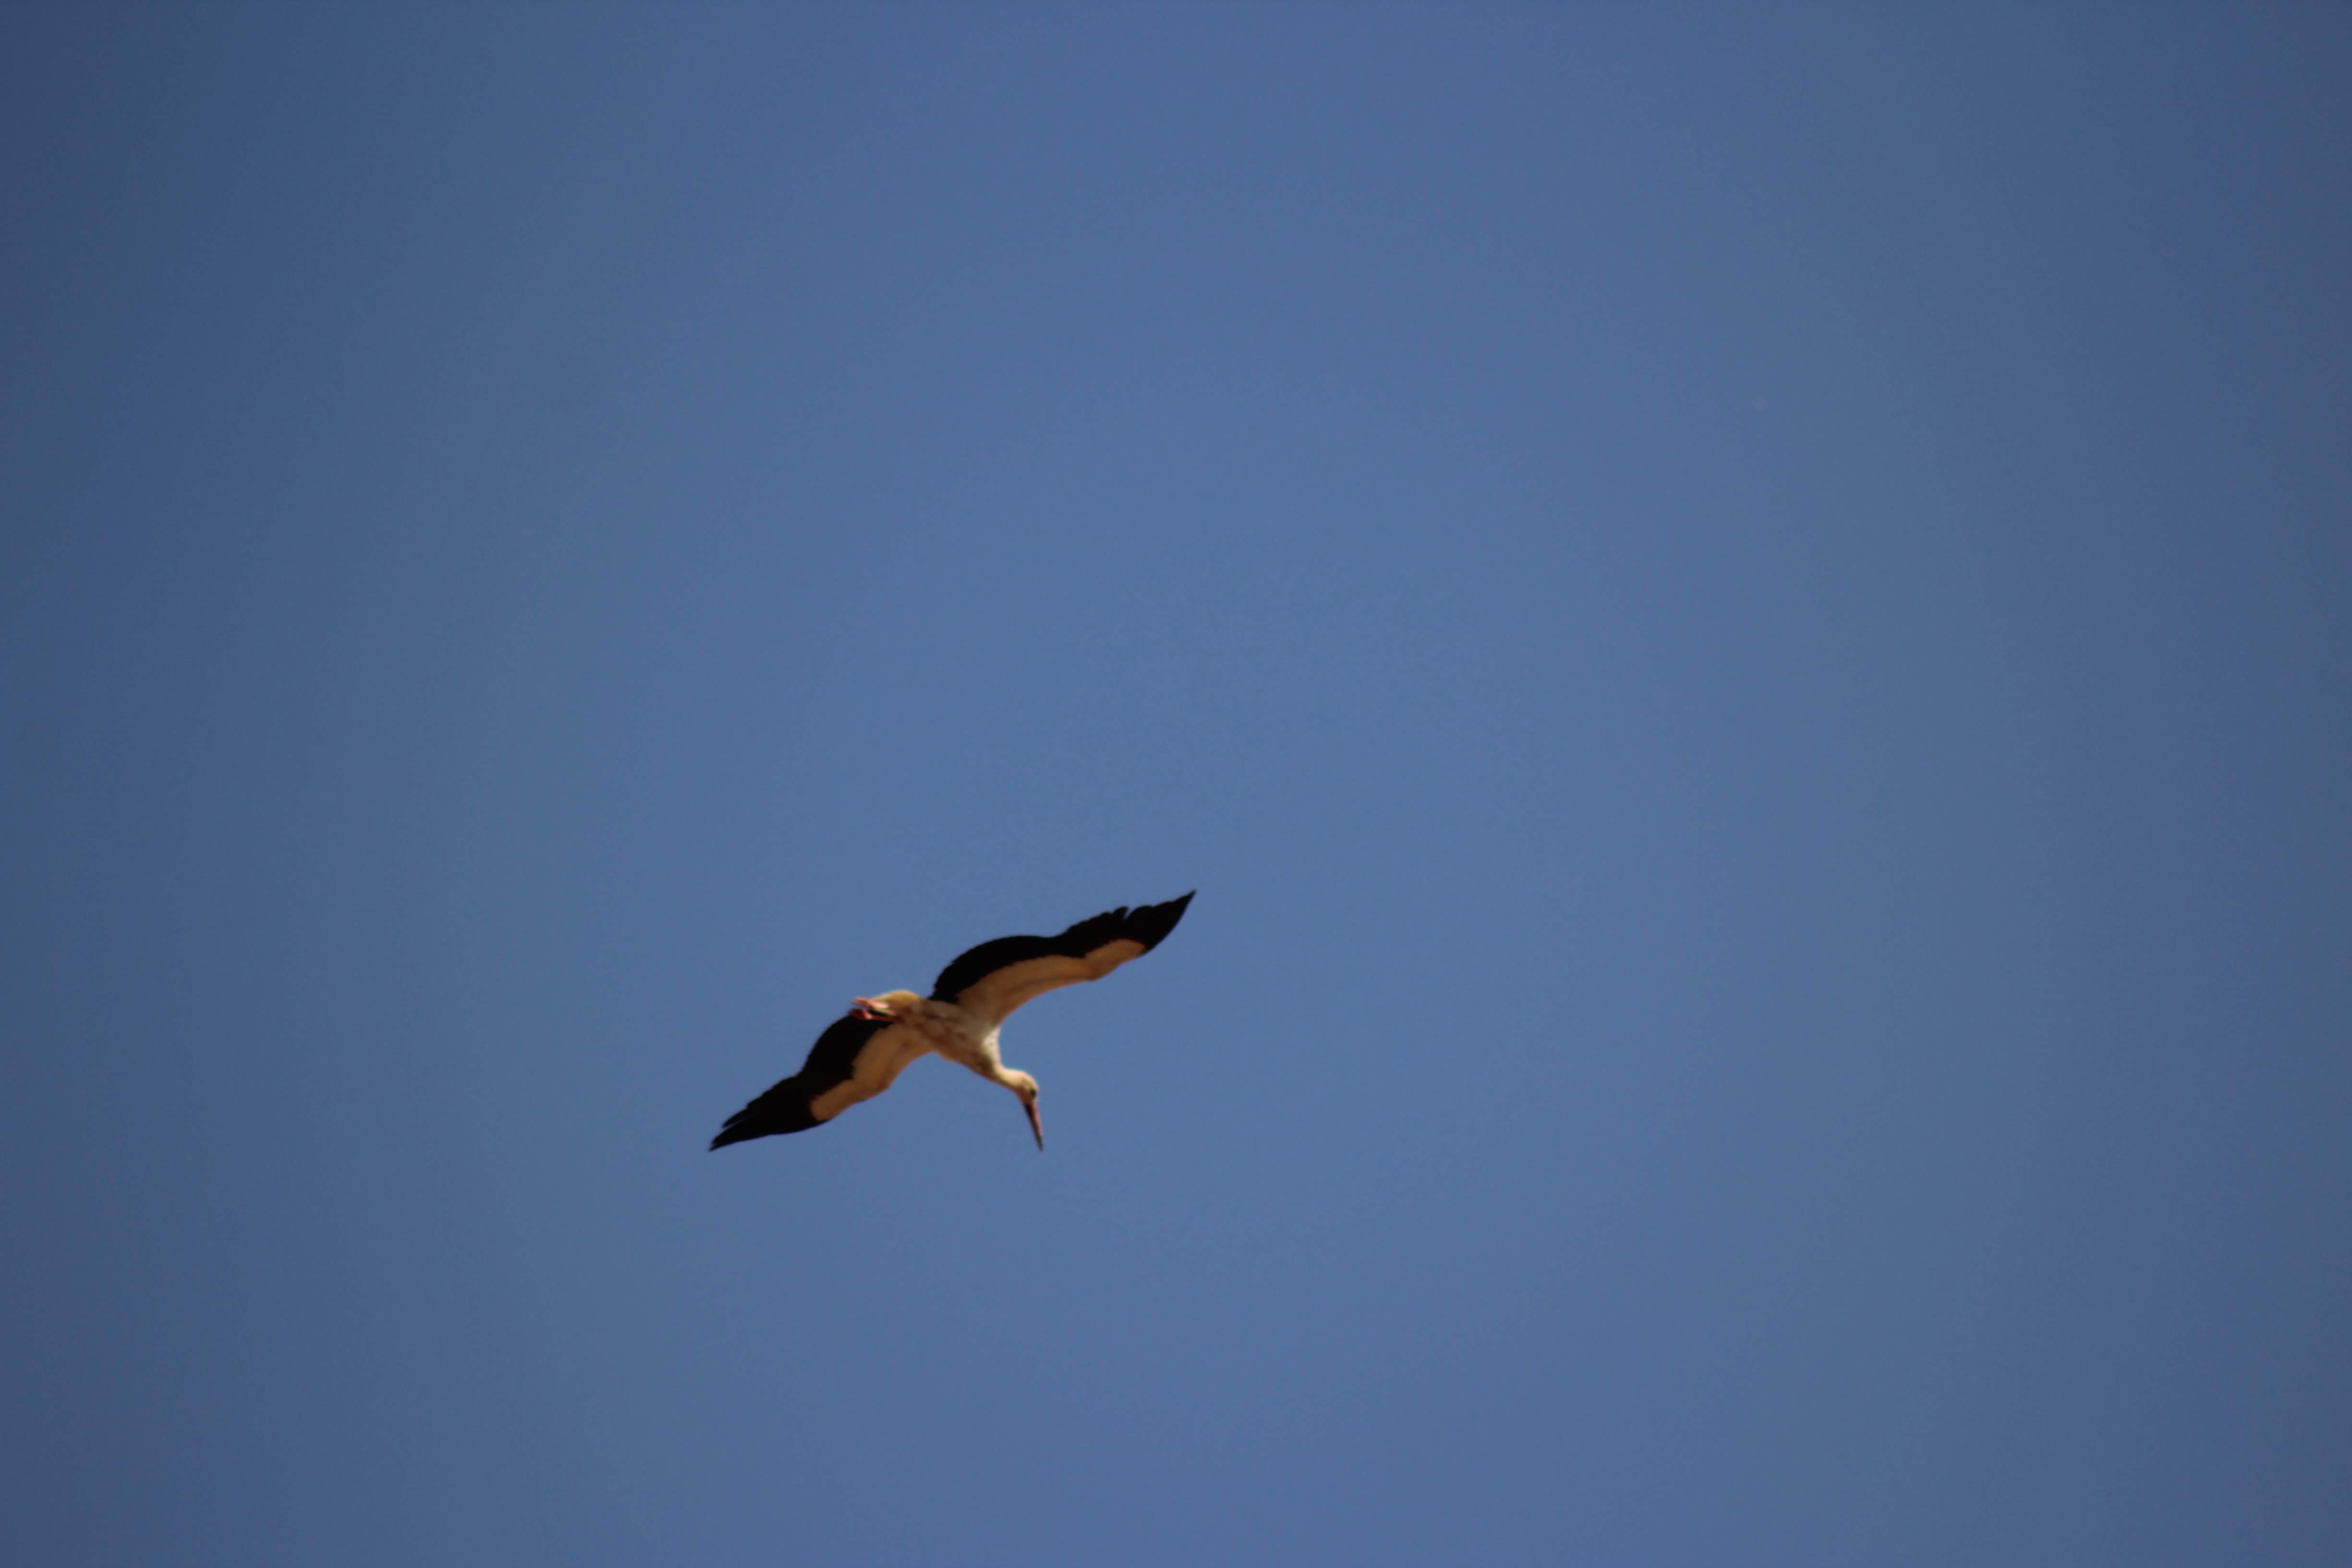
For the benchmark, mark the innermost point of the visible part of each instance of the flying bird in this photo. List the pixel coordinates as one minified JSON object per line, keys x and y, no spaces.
{"x":867,"y":1048}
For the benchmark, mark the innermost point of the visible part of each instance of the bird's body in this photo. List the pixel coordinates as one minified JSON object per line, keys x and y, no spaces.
{"x":863,"y":1052}
{"x":924,"y":1027}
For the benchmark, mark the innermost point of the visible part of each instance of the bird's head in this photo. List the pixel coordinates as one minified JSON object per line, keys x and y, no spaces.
{"x":1022,"y":1084}
{"x":887,"y":1007}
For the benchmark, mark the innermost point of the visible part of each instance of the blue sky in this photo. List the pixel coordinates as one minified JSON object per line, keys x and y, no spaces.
{"x":1741,"y":617}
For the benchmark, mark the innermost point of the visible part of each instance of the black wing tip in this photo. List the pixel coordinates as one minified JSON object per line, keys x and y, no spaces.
{"x":745,"y":1125}
{"x":741,"y":1127}
{"x":1151,"y":923}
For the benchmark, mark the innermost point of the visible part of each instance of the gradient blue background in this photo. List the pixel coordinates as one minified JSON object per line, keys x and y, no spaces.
{"x":1743,"y":621}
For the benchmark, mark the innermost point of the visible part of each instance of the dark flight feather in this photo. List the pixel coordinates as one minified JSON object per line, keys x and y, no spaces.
{"x":786,"y":1107}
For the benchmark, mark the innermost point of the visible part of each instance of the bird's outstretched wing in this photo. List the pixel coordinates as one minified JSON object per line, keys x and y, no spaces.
{"x":997,"y":976}
{"x":855,"y":1059}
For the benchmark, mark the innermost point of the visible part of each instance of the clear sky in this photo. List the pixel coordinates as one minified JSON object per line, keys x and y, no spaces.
{"x":1742,"y":615}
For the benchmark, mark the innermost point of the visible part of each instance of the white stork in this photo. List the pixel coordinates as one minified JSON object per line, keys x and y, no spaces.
{"x":866,"y":1050}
